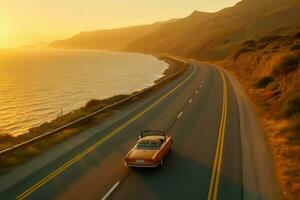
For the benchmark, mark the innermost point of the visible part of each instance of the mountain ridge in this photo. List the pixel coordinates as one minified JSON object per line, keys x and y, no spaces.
{"x":201,"y":35}
{"x":108,"y":39}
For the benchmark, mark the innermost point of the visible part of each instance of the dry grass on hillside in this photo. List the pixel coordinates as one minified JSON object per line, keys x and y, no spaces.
{"x":269,"y":68}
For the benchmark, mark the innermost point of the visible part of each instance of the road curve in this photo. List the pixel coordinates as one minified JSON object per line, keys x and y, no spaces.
{"x":210,"y":158}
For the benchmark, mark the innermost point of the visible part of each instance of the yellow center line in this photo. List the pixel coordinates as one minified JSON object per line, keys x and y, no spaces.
{"x":215,"y":178}
{"x":222,"y":143}
{"x":212,"y":182}
{"x":59,"y":170}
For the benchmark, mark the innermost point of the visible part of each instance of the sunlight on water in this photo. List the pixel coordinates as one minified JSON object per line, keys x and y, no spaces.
{"x":36,"y":84}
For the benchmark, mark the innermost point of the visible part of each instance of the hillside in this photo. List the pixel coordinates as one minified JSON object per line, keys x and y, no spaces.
{"x":212,"y":36}
{"x":206,"y":36}
{"x":114,"y":39}
{"x":269,"y":68}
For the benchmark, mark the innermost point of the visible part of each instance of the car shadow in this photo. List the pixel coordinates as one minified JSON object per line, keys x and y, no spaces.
{"x":184,"y":178}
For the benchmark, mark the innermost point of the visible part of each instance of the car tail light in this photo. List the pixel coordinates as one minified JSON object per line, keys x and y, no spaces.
{"x":127,"y":160}
{"x":154,"y":162}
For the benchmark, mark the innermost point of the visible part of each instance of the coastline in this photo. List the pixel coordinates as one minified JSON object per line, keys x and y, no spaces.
{"x":40,"y":84}
{"x":22,"y":154}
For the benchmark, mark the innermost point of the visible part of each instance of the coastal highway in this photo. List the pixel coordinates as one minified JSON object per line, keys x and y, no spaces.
{"x":218,"y":152}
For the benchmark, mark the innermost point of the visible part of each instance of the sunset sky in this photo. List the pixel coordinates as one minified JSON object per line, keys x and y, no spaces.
{"x":31,"y":21}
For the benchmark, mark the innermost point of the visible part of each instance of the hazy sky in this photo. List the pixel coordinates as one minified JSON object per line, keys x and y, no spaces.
{"x":31,"y":21}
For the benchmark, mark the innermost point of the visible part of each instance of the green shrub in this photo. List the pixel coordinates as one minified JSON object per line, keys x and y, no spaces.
{"x":264,"y":82}
{"x":295,"y":47}
{"x":245,"y":50}
{"x":249,"y":43}
{"x":241,"y":51}
{"x":262,"y":46}
{"x":92,"y":103}
{"x":287,"y":65}
{"x":270,"y":38}
{"x":291,"y":106}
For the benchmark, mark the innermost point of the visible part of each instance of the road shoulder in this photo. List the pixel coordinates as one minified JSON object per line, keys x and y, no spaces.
{"x":258,"y":171}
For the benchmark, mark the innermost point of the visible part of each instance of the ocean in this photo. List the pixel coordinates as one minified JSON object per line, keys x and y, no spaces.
{"x":36,"y":84}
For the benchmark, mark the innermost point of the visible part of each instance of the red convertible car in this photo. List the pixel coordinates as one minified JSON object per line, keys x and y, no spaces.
{"x":150,"y":150}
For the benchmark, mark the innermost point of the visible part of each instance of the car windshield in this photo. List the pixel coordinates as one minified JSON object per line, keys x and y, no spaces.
{"x":148,"y":144}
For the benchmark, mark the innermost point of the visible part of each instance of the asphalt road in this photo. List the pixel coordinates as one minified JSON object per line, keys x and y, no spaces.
{"x":208,"y":159}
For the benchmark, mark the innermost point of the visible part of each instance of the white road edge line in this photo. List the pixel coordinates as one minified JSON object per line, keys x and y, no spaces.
{"x":190,"y":101}
{"x":110,"y":191}
{"x":179,"y":114}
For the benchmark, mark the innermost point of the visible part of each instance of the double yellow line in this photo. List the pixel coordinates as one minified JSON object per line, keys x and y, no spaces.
{"x":59,"y":170}
{"x":215,"y":178}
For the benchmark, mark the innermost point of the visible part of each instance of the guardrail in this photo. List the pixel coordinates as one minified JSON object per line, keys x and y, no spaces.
{"x":10,"y":149}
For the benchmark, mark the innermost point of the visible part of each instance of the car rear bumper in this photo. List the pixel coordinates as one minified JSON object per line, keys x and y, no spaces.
{"x":141,"y":165}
